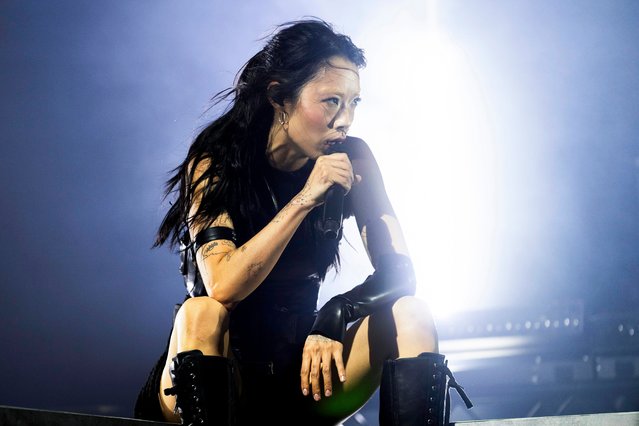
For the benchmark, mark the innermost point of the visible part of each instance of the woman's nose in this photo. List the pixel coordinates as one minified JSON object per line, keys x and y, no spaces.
{"x":343,"y":120}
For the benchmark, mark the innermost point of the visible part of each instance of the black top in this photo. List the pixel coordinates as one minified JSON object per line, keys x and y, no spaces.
{"x":281,"y":309}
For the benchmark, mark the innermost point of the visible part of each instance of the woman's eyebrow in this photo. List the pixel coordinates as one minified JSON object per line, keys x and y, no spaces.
{"x":336,"y":92}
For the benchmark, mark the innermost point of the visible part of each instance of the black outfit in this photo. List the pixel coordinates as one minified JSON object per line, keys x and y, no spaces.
{"x":269,"y":327}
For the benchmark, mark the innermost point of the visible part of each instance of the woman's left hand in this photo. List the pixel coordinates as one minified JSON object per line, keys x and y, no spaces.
{"x":318,"y":354}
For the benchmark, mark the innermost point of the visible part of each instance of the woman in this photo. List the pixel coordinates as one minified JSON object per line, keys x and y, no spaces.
{"x":248,"y":345}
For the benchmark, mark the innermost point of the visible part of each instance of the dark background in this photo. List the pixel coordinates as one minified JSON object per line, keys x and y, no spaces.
{"x":99,"y":100}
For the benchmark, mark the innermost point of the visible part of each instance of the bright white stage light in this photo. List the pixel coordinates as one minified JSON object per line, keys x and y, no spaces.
{"x":430,"y":132}
{"x":449,"y":207}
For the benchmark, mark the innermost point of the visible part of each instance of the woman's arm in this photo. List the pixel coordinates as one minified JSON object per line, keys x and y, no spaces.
{"x":392,"y":279}
{"x":231,"y":273}
{"x":382,"y":236}
{"x":378,"y":225}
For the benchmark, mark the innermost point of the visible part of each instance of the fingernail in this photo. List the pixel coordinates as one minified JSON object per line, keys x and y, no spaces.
{"x":342,"y":378}
{"x":305,"y":391}
{"x":328,"y":392}
{"x":316,"y":397}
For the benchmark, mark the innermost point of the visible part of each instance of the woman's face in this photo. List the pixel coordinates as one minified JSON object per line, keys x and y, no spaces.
{"x":325,"y":109}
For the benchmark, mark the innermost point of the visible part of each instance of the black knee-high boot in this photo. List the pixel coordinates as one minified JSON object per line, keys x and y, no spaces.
{"x":414,"y":391}
{"x":205,"y":389}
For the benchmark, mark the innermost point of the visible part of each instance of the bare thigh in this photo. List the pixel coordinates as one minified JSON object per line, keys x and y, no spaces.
{"x":403,"y":329}
{"x":368,"y":343}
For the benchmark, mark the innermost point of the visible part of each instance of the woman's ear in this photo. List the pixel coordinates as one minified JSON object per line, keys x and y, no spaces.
{"x":269,"y":94}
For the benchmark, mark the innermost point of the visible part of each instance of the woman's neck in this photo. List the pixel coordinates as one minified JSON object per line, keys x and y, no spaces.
{"x":281,"y":152}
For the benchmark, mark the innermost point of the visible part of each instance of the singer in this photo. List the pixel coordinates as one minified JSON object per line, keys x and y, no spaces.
{"x":248,"y":345}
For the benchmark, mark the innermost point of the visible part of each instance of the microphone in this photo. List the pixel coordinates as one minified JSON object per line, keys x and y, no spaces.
{"x":333,"y":212}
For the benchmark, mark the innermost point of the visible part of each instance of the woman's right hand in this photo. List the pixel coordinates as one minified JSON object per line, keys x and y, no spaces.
{"x":329,"y":169}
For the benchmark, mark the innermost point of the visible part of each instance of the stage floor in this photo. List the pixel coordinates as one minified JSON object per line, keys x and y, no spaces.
{"x":613,"y":419}
{"x":13,"y":416}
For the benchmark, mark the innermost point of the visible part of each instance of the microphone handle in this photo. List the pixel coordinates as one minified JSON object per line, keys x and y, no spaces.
{"x":333,"y":212}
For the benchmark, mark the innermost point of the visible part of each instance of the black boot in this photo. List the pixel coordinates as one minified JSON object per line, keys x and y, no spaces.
{"x":414,"y":391}
{"x":204,"y":387}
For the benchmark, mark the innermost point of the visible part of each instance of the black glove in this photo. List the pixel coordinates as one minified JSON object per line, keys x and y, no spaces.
{"x":393,"y":278}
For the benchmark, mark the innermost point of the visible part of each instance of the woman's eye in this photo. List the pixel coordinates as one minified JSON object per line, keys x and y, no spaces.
{"x":356,"y":101}
{"x":334,"y":101}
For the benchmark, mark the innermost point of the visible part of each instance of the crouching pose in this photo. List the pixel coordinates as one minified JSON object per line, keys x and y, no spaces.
{"x":248,"y":345}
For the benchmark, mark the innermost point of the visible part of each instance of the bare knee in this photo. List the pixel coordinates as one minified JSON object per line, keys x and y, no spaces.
{"x":201,"y":323}
{"x":414,"y":321}
{"x":197,"y":308}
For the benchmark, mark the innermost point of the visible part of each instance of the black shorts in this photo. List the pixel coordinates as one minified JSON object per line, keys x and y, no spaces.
{"x":267,"y":345}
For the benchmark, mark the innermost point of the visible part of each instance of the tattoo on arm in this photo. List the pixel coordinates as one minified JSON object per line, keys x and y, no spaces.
{"x":254,"y":268}
{"x":300,"y":199}
{"x":204,"y":256}
{"x":281,"y":214}
{"x":209,"y":249}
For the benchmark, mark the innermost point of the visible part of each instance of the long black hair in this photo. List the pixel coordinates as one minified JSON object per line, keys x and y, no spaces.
{"x":233,"y":146}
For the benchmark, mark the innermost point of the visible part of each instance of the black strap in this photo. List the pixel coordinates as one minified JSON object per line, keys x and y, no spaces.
{"x":393,"y":278}
{"x":460,"y":390}
{"x":214,"y":233}
{"x":452,"y":383}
